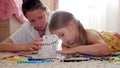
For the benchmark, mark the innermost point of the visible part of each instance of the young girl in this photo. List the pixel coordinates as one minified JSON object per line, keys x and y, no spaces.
{"x":76,"y":39}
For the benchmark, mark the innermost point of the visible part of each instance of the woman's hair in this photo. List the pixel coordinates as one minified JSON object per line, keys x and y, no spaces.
{"x":30,"y":5}
{"x":61,"y":19}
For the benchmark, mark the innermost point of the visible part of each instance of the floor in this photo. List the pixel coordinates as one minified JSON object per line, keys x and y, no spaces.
{"x":4,"y":63}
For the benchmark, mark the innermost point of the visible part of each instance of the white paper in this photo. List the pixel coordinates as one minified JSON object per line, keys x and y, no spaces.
{"x":51,"y":44}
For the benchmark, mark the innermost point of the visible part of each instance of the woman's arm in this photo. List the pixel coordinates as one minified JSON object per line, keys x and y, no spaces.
{"x":8,"y":45}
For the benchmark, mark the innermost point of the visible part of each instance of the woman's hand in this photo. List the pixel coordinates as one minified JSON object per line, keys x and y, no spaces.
{"x":34,"y":45}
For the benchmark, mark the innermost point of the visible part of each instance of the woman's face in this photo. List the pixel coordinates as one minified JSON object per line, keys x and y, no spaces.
{"x":67,"y":34}
{"x":37,"y":18}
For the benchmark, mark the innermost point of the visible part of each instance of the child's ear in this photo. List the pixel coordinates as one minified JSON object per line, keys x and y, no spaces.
{"x":71,"y":25}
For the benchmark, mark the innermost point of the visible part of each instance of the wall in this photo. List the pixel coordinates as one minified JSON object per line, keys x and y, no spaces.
{"x":4,"y":29}
{"x":7,"y":27}
{"x":14,"y":24}
{"x":48,"y":3}
{"x":114,"y":16}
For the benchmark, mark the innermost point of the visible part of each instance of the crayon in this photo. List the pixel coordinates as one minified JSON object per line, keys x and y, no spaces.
{"x":34,"y":59}
{"x":33,"y":62}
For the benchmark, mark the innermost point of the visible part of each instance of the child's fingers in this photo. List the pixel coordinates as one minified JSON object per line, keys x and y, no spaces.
{"x":66,"y":51}
{"x":61,"y":52}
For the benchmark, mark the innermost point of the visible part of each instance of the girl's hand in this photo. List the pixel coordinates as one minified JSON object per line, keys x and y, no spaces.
{"x":66,"y":50}
{"x":34,"y":45}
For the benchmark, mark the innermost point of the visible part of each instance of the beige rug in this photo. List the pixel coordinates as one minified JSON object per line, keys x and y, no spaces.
{"x":88,"y":64}
{"x":57,"y":64}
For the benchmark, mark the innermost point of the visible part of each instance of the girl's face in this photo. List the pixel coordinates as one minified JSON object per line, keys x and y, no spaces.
{"x":37,"y":18}
{"x":67,"y":34}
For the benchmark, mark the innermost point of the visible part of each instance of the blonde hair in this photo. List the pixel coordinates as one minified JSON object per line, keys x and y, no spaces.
{"x":61,"y":19}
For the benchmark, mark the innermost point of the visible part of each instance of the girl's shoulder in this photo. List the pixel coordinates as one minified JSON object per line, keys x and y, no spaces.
{"x":91,"y":31}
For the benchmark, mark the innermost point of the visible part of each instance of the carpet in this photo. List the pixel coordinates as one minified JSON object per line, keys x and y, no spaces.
{"x":112,"y":61}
